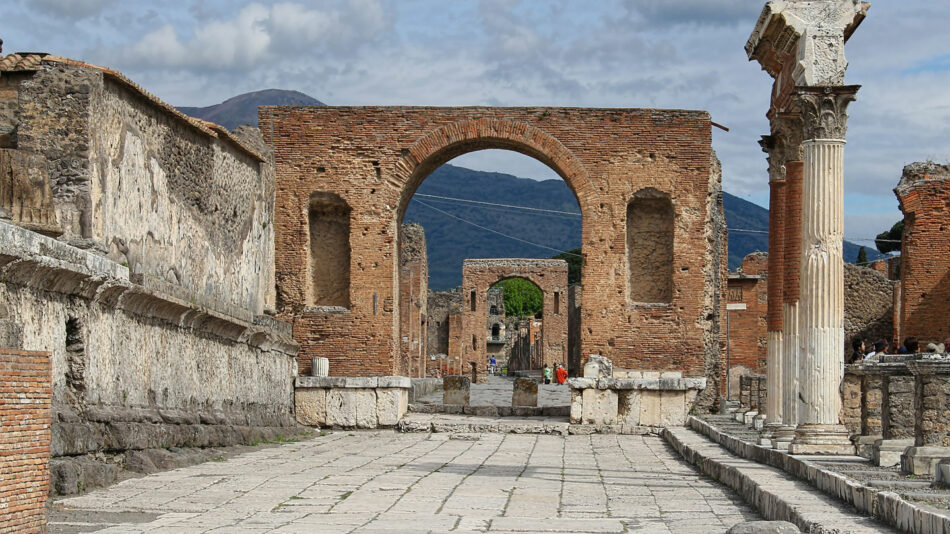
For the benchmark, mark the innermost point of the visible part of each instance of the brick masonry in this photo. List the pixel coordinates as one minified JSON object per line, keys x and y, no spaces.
{"x":747,"y":327}
{"x":549,"y":275}
{"x":25,"y":419}
{"x":374,"y":158}
{"x":924,"y":195}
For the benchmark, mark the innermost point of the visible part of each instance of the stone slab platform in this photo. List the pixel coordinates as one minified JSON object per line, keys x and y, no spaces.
{"x":383,"y":481}
{"x":415,"y":422}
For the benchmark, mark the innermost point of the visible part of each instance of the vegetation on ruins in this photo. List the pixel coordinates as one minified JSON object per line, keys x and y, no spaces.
{"x":862,"y":256}
{"x":522,"y":298}
{"x":890,"y":240}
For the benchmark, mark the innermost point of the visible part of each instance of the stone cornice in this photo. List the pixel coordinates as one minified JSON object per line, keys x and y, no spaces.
{"x":824,"y":110}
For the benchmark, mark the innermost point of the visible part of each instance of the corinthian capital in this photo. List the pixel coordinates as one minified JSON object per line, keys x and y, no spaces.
{"x":787,"y":128}
{"x":824,"y":110}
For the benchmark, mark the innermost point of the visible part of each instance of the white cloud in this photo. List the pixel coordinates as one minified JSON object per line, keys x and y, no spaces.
{"x":69,"y":8}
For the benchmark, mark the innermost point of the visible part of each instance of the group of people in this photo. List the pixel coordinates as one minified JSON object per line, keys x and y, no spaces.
{"x":558,"y":374}
{"x":911,"y":346}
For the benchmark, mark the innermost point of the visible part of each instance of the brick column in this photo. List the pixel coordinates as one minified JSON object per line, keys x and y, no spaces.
{"x":790,"y":347}
{"x":821,"y":317}
{"x":776,"y":267}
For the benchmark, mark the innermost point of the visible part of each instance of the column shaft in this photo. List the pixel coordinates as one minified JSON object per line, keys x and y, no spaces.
{"x":776,"y":274}
{"x":790,"y":263}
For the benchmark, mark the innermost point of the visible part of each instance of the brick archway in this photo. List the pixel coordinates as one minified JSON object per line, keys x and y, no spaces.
{"x":374,"y":158}
{"x":478,"y":276}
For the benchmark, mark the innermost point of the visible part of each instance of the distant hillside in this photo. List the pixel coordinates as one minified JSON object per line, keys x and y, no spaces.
{"x":242,"y":109}
{"x":450,"y":240}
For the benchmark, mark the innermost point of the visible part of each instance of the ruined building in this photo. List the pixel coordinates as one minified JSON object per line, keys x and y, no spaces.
{"x":137,"y":251}
{"x":653,"y":232}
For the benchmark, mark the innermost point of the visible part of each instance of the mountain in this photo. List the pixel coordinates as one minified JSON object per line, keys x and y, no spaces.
{"x":242,"y":109}
{"x":451,"y":240}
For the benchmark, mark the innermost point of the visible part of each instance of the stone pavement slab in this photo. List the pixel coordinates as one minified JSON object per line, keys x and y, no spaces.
{"x":382,"y":481}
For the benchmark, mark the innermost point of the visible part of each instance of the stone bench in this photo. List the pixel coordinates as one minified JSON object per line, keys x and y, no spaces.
{"x":633,"y":401}
{"x":351,"y":402}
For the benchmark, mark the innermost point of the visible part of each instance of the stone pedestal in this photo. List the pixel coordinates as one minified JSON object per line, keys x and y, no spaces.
{"x":932,"y":407}
{"x":351,"y":402}
{"x":525,"y":392}
{"x":456,"y":390}
{"x":887,"y":452}
{"x":633,"y":401}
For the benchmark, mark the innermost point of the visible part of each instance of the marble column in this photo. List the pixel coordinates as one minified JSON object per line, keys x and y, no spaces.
{"x":821,"y":313}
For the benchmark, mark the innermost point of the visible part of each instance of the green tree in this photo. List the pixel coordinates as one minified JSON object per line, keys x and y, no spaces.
{"x":862,"y":256}
{"x":573,"y":259}
{"x":522,"y":298}
{"x":890,"y":240}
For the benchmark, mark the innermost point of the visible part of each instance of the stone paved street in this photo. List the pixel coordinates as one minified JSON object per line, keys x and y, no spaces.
{"x":386,"y":481}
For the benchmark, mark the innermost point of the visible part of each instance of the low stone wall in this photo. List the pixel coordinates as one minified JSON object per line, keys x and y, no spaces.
{"x":422,"y":387}
{"x":24,"y":440}
{"x":138,"y":363}
{"x":350,"y":402}
{"x":633,"y":401}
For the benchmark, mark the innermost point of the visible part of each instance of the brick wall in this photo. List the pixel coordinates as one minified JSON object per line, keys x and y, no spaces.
{"x":924,"y":195}
{"x":549,"y":275}
{"x":25,"y":419}
{"x":413,"y":301}
{"x":747,"y":327}
{"x":375,"y":158}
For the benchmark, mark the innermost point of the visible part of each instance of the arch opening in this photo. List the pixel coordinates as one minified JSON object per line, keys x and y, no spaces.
{"x":328,"y":218}
{"x":650,"y":248}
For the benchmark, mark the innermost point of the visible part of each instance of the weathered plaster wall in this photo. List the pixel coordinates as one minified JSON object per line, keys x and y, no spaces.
{"x":150,"y":189}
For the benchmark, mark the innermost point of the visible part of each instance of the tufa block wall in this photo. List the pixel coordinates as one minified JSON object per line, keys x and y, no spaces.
{"x":374,"y":158}
{"x":25,"y":420}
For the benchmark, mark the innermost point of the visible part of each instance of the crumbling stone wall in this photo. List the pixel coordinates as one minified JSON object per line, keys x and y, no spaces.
{"x":440,"y":305}
{"x":413,"y":301}
{"x":173,"y":198}
{"x":479,"y":275}
{"x":868,"y":305}
{"x":924,"y":195}
{"x":376,"y":157}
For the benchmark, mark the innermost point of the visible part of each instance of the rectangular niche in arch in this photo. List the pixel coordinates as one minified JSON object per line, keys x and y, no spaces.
{"x":329,"y":218}
{"x":650,"y":248}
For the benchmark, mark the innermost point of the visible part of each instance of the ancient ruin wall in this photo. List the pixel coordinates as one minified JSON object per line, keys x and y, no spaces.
{"x":151,"y":190}
{"x":924,"y":195}
{"x":440,"y":305}
{"x":375,"y":158}
{"x":868,"y":305}
{"x":747,"y":327}
{"x":413,"y":301}
{"x":551,"y":278}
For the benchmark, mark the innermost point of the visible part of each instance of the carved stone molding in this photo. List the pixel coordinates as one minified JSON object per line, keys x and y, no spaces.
{"x":824,"y":110}
{"x":787,"y":128}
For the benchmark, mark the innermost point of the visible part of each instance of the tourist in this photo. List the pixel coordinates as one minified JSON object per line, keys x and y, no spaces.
{"x":491,"y":365}
{"x":910,"y":346}
{"x":560,"y":374}
{"x":547,"y":374}
{"x":880,"y":348}
{"x":932,"y":348}
{"x":858,"y":350}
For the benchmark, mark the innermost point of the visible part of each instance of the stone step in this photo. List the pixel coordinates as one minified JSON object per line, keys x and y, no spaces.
{"x":775,"y":494}
{"x":468,"y":424}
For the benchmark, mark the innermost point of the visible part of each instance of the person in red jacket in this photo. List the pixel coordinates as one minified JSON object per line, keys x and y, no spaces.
{"x":560,"y":374}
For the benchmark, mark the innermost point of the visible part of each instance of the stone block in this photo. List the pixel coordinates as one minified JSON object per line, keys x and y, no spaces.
{"x":360,"y":382}
{"x":650,"y":403}
{"x":671,"y":374}
{"x":365,"y":402}
{"x":942,"y":474}
{"x":747,"y":417}
{"x":628,"y":407}
{"x":577,"y":405}
{"x":391,"y":405}
{"x":764,"y":527}
{"x":341,"y":408}
{"x":598,"y":367}
{"x":672,"y":408}
{"x":456,"y":390}
{"x":599,"y":407}
{"x":864,"y":445}
{"x":394,"y":382}
{"x":651,"y":374}
{"x":887,"y":452}
{"x":310,"y":406}
{"x":326,"y":382}
{"x":759,"y":422}
{"x":524,"y":392}
{"x":923,"y":460}
{"x":582,"y":383}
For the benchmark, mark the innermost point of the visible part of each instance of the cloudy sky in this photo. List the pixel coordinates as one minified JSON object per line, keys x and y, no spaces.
{"x":609,"y":53}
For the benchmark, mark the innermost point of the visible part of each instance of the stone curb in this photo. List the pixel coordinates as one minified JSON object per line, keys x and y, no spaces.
{"x":520,"y":427}
{"x":752,"y":483}
{"x":886,"y":506}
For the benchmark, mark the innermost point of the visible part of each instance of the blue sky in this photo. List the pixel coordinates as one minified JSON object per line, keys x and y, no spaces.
{"x":610,"y":53}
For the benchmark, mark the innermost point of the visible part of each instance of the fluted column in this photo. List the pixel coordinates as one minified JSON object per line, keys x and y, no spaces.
{"x":821,"y":313}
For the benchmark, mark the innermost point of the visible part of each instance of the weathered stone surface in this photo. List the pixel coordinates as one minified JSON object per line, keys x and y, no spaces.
{"x":310,"y":406}
{"x":25,"y":195}
{"x":598,"y":367}
{"x":524,"y":392}
{"x":366,"y":406}
{"x":391,"y":405}
{"x":764,"y":527}
{"x":341,"y":408}
{"x":599,"y":407}
{"x":456,"y":390}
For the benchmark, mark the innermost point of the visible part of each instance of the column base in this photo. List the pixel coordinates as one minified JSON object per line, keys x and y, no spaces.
{"x":758,"y":422}
{"x":887,"y":452}
{"x":748,"y":417}
{"x":923,"y":460}
{"x":865,"y":445}
{"x":782,"y":437}
{"x":768,"y":434}
{"x":821,"y":439}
